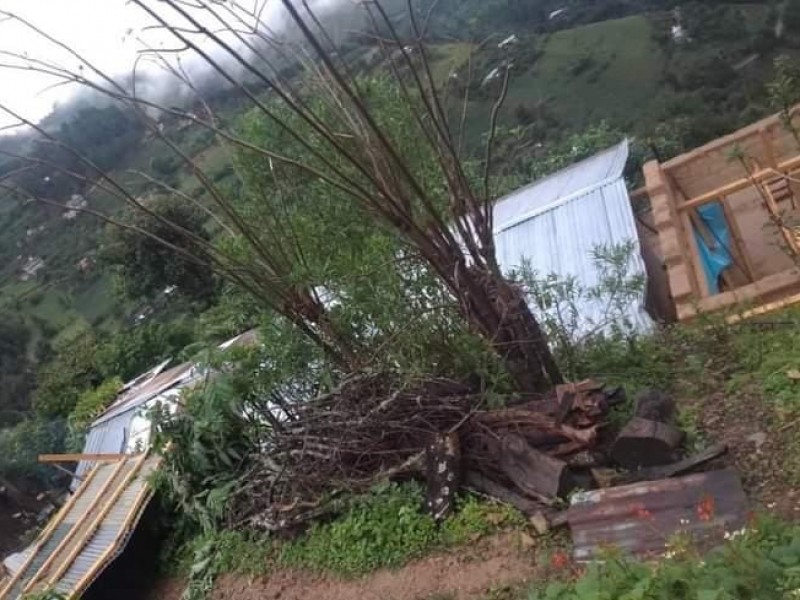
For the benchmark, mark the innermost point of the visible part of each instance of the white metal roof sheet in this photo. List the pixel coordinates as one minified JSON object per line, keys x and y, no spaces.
{"x":556,"y":224}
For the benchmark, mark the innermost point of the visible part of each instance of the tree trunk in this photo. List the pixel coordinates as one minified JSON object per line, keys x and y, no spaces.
{"x":443,"y":474}
{"x":498,"y":311}
{"x":656,"y":406}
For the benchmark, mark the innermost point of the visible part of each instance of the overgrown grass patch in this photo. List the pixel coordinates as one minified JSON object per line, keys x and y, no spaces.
{"x":385,"y":528}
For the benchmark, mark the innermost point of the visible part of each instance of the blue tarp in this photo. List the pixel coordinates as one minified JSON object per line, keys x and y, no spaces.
{"x":715,"y":257}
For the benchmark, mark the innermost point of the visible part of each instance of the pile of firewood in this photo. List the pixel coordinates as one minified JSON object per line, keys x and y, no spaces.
{"x":373,"y":429}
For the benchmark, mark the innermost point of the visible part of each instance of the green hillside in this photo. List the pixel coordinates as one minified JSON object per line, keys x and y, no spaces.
{"x":608,"y":70}
{"x":565,"y":77}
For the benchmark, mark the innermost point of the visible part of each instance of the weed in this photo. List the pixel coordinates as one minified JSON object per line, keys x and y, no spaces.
{"x":385,"y":528}
{"x":762,"y":562}
{"x":475,"y":519}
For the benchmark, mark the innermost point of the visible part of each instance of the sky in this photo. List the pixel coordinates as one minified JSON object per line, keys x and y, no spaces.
{"x":103,"y":30}
{"x":107,"y":32}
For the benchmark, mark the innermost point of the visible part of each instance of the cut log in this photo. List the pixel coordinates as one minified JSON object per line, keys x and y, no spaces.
{"x":482,"y":484}
{"x":646,"y":443}
{"x":443,"y":474}
{"x":656,"y":406}
{"x":536,"y":474}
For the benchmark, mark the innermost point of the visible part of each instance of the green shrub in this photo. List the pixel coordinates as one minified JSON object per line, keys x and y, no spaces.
{"x":385,"y":528}
{"x":21,"y":445}
{"x":89,"y":406}
{"x":762,"y":563}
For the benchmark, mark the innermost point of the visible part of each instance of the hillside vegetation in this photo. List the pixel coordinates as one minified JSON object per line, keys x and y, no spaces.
{"x":578,"y":81}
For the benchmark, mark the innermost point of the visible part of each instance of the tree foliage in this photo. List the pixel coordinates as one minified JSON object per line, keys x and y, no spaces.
{"x":89,"y":406}
{"x":16,"y":368}
{"x":159,"y":248}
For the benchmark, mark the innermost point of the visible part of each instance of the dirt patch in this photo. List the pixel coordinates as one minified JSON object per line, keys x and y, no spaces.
{"x":473,"y":573}
{"x":759,"y":446}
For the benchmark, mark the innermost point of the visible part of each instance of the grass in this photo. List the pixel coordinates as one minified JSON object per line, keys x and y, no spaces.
{"x":608,"y":70}
{"x":446,"y":58}
{"x":383,"y":529}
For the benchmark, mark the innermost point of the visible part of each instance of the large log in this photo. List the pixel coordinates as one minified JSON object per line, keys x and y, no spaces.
{"x":538,"y":475}
{"x":646,"y":443}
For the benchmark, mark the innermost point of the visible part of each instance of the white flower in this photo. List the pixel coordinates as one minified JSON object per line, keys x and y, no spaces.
{"x":732,"y":535}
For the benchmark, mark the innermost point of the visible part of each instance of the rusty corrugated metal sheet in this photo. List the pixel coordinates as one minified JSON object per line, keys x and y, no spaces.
{"x":642,"y":517}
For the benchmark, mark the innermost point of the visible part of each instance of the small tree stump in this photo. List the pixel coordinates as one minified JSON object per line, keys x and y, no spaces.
{"x":646,"y":443}
{"x":538,"y":475}
{"x":443,"y":474}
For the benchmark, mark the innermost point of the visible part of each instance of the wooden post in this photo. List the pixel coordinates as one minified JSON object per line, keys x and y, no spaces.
{"x":738,"y":241}
{"x":689,"y":219}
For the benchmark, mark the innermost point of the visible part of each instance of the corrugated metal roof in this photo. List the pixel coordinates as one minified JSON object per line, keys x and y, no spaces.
{"x":557,"y":223}
{"x":88,"y":532}
{"x":110,"y":432}
{"x":641,"y":518}
{"x":142,"y":393}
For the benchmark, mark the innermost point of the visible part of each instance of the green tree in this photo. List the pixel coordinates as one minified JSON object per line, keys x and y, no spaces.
{"x":132,"y":352}
{"x":16,"y":368}
{"x":60,"y":382}
{"x":146,"y":265}
{"x":791,"y":16}
{"x":90,"y":404}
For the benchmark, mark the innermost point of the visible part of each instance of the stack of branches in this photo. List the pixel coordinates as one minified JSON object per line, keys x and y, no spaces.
{"x":374,"y":428}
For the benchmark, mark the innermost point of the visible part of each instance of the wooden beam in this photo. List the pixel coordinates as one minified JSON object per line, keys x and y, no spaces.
{"x":738,"y":242}
{"x":722,"y":192}
{"x":638,"y":193}
{"x":72,"y":458}
{"x":763,"y":309}
{"x":728,"y":140}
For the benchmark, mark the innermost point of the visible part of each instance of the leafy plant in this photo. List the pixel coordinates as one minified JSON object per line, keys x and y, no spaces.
{"x":385,"y":528}
{"x":762,"y":562}
{"x":204,"y":447}
{"x":90,"y":404}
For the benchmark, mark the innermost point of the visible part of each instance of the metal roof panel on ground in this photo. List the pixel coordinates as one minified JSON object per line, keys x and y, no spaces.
{"x":555,"y":225}
{"x":88,"y":532}
{"x":641,"y":518}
